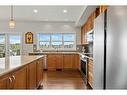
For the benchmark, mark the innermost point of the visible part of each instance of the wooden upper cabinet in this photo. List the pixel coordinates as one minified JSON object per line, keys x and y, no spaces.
{"x":84,"y":34}
{"x":88,"y":26}
{"x":20,"y":79}
{"x":102,"y":8}
{"x":91,"y":21}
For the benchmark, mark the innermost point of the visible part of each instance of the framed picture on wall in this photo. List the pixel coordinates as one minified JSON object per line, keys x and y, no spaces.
{"x":29,"y":38}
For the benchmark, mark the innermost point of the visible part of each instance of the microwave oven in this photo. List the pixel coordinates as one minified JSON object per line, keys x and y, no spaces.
{"x":90,"y":36}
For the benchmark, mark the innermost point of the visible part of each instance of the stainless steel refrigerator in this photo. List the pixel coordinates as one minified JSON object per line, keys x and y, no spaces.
{"x":110,"y":49}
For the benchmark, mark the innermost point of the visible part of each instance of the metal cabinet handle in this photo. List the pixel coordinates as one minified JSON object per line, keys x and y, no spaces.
{"x":10,"y":80}
{"x":10,"y":83}
{"x":13,"y":77}
{"x":13,"y":81}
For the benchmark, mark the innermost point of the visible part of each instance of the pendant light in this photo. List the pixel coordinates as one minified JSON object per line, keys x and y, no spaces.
{"x":12,"y":22}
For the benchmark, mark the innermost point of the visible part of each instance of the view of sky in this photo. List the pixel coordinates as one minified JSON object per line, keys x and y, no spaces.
{"x":56,"y":37}
{"x":13,"y":39}
{"x":42,"y":37}
{"x":2,"y":39}
{"x":69,"y":37}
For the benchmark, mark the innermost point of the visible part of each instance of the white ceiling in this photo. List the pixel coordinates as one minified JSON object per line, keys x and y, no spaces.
{"x":52,"y":13}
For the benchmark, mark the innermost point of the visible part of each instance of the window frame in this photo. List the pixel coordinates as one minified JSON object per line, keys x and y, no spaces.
{"x":50,"y":43}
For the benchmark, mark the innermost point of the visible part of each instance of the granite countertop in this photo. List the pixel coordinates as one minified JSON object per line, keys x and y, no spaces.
{"x":53,"y":52}
{"x":67,"y":52}
{"x":8,"y":64}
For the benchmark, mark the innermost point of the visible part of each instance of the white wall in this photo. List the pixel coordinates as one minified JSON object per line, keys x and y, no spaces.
{"x":40,"y":27}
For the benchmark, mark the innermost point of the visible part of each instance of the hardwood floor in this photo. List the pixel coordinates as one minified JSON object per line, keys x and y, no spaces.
{"x":69,"y":79}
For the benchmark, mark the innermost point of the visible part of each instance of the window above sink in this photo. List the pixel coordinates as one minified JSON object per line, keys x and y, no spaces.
{"x":56,"y":41}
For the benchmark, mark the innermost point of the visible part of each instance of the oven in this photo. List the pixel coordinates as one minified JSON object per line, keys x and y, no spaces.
{"x":83,"y":60}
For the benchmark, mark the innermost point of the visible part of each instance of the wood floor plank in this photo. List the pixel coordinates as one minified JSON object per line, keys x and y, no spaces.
{"x":70,"y":79}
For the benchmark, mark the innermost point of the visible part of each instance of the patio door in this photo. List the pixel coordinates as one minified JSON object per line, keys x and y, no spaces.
{"x":14,"y":45}
{"x":10,"y":45}
{"x":2,"y":45}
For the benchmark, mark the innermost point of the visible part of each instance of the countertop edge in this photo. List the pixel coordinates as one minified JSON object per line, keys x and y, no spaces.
{"x":18,"y":67}
{"x":60,"y":53}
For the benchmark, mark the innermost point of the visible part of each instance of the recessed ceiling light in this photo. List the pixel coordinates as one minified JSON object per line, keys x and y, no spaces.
{"x":64,"y":11}
{"x":35,"y":10}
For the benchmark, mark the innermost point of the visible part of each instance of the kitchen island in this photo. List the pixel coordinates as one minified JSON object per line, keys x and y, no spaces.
{"x":21,"y":72}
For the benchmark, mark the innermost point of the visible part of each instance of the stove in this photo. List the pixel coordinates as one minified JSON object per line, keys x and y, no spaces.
{"x":83,"y":60}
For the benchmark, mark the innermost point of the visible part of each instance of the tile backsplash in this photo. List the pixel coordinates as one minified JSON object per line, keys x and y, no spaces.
{"x":79,"y":48}
{"x":88,"y":48}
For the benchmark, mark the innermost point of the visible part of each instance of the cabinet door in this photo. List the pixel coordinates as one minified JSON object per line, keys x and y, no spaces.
{"x":51,"y":59}
{"x":20,"y":79}
{"x":59,"y":61}
{"x":68,"y":59}
{"x":90,"y":72}
{"x":76,"y":61}
{"x":5,"y":82}
{"x":32,"y":76}
{"x":82,"y":35}
{"x":39,"y":71}
{"x":102,"y":8}
{"x":84,"y":31}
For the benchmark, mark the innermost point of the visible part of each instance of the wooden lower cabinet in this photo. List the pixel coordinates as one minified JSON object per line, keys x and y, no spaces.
{"x":68,"y":61}
{"x":55,"y":61}
{"x":20,"y":79}
{"x":39,"y":71}
{"x":4,"y":82}
{"x":59,"y":61}
{"x":76,"y":61}
{"x":90,"y":72}
{"x":14,"y":80}
{"x":26,"y":77}
{"x":31,"y":84}
{"x":63,"y":61}
{"x":51,"y":60}
{"x":71,"y":61}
